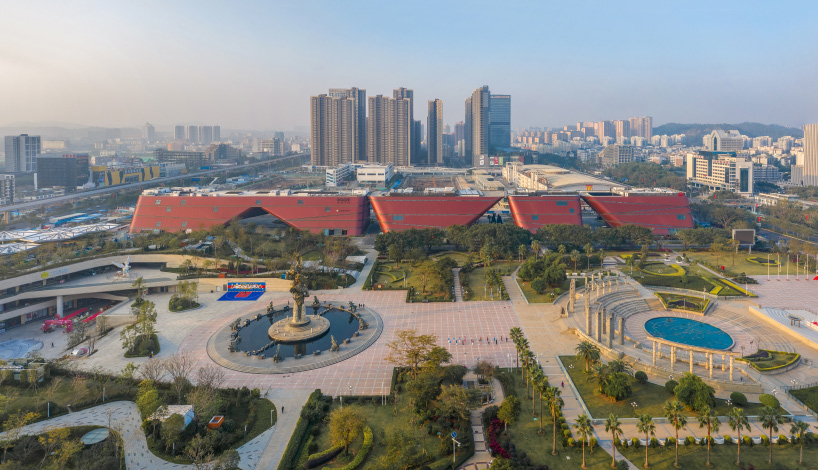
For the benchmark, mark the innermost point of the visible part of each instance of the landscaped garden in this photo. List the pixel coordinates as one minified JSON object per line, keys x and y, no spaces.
{"x":411,"y":428}
{"x":683,"y":302}
{"x":649,"y":397}
{"x":754,"y":265}
{"x":550,"y":293}
{"x":766,"y":359}
{"x":62,"y":449}
{"x":61,"y":389}
{"x":430,"y":280}
{"x":808,"y":396}
{"x":485,"y":283}
{"x":691,"y":277}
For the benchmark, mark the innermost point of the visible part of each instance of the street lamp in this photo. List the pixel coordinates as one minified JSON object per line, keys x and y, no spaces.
{"x":634,"y":405}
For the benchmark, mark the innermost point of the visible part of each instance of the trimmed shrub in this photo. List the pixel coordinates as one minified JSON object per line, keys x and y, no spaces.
{"x":670,"y":441}
{"x":768,"y":400}
{"x":641,"y":377}
{"x":690,"y":440}
{"x":654,"y":442}
{"x":782,"y":439}
{"x":746,"y":440}
{"x":566,"y":433}
{"x":728,"y":439}
{"x":670,"y":385}
{"x":571,"y":442}
{"x":323,"y":457}
{"x":764,"y":439}
{"x":738,"y":399}
{"x":703,"y":441}
{"x":635,"y":442}
{"x":592,"y":443}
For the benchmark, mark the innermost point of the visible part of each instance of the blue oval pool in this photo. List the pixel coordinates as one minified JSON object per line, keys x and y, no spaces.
{"x":690,"y":332}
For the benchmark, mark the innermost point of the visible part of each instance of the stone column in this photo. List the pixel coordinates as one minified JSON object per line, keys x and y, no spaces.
{"x":621,"y":331}
{"x":691,"y":361}
{"x":654,"y":352}
{"x":587,"y":297}
{"x":731,"y":368}
{"x":604,"y":321}
{"x":610,"y":330}
{"x":599,"y":326}
{"x":672,"y":357}
{"x":711,"y":364}
{"x":722,"y":362}
{"x":60,"y":306}
{"x":573,"y":297}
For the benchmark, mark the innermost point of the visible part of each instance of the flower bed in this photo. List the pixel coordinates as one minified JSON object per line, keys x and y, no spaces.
{"x":678,"y":271}
{"x":496,"y":449}
{"x":767,"y":359}
{"x":682,"y":302}
{"x":763,"y":261}
{"x":735,"y":287}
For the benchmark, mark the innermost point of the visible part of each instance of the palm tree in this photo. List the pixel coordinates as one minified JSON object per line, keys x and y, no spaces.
{"x":516,"y":335}
{"x":535,"y":247}
{"x":542,"y":387}
{"x":535,"y":375}
{"x":561,"y":250}
{"x":619,"y":365}
{"x":575,"y":258}
{"x":584,"y":428}
{"x":601,"y":256}
{"x":554,"y":403}
{"x":588,"y":250}
{"x":524,"y":353}
{"x":674,"y":412}
{"x":588,"y":352}
{"x":737,"y":420}
{"x":522,"y":250}
{"x":770,"y":419}
{"x":646,"y":426}
{"x":139,"y":285}
{"x":600,"y":372}
{"x":799,"y":428}
{"x":613,"y":426}
{"x":708,"y":419}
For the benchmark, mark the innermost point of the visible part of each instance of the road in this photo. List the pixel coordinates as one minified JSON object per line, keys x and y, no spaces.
{"x":776,"y":236}
{"x":130,"y":186}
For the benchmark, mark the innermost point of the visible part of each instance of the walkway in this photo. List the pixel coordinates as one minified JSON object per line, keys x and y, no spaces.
{"x":482,"y":458}
{"x":458,"y":287}
{"x":291,"y":402}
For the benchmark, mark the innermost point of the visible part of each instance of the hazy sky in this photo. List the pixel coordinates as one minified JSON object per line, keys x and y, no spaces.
{"x":254,"y":65}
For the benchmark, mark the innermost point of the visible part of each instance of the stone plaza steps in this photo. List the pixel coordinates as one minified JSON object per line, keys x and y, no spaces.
{"x":458,"y":287}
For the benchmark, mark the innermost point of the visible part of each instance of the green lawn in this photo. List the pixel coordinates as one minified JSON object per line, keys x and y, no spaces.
{"x":382,"y":419}
{"x":401,"y":277}
{"x":683,"y":302}
{"x":809,"y":396}
{"x":545,"y":298}
{"x":696,"y":279}
{"x":477,"y":280}
{"x":523,"y":434}
{"x":776,"y":359}
{"x":650,"y":398}
{"x":723,"y":456}
{"x":741,"y":264}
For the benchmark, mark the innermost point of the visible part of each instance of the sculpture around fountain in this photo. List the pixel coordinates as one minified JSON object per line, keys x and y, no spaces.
{"x":335,"y":346}
{"x":299,"y":327}
{"x":315,"y":305}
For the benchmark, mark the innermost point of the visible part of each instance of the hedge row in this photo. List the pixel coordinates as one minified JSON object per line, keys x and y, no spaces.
{"x":363,"y":453}
{"x":290,"y":457}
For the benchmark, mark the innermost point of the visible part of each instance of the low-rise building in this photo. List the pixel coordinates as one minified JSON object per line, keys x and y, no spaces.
{"x":339,"y":174}
{"x":7,"y":187}
{"x":720,"y":170}
{"x":772,"y":199}
{"x":375,"y":174}
{"x":614,"y":155}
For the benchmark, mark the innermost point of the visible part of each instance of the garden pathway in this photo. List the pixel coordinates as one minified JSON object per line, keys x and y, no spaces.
{"x":482,"y":458}
{"x":458,"y":287}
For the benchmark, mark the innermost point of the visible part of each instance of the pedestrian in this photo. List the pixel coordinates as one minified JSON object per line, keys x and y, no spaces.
{"x":562,"y":384}
{"x":282,"y":410}
{"x":52,"y":345}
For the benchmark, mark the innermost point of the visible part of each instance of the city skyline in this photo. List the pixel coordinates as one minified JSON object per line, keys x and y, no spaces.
{"x":146,"y":71}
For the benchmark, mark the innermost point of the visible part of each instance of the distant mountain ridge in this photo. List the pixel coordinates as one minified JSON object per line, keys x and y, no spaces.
{"x":695,"y":132}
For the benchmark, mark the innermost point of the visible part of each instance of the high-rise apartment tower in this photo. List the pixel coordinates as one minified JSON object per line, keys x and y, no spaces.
{"x":434,"y":130}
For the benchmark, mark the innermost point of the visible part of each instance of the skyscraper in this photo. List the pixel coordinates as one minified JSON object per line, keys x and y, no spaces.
{"x":148,"y":132}
{"x":499,"y":122}
{"x":414,"y":141}
{"x":480,"y":125}
{"x":434,"y":129}
{"x":21,"y":153}
{"x":622,"y":129}
{"x":179,"y":133}
{"x":205,"y":134}
{"x":193,"y":134}
{"x":332,"y":130}
{"x":468,"y":155}
{"x":805,"y":170}
{"x":358,"y":98}
{"x":389,"y":130}
{"x":641,"y":127}
{"x":217,"y":133}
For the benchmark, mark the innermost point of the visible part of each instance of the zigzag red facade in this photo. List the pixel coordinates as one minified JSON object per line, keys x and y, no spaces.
{"x":397,"y":212}
{"x":664,"y":213}
{"x":333,"y":214}
{"x":533,"y":212}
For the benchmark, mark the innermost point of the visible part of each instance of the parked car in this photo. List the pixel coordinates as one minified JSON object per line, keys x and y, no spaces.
{"x":79,"y":352}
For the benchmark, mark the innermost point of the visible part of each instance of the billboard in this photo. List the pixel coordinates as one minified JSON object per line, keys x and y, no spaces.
{"x":244,"y":291}
{"x":745,"y":237}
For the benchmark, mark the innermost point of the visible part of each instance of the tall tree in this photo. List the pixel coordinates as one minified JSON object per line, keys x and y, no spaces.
{"x":589,"y":249}
{"x":707,"y":418}
{"x":613,"y":426}
{"x":508,"y":411}
{"x":554,"y":403}
{"x":737,"y":420}
{"x":799,"y":428}
{"x":646,"y":426}
{"x":674,"y":412}
{"x":770,"y":419}
{"x":585,"y":428}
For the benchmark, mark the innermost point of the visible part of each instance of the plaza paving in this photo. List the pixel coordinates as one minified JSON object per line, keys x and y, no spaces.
{"x":369,"y":374}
